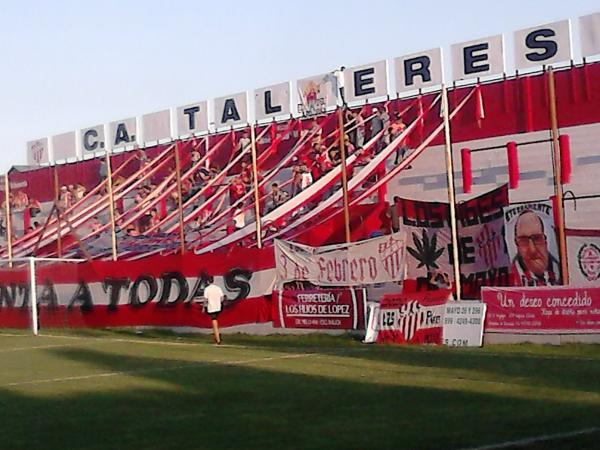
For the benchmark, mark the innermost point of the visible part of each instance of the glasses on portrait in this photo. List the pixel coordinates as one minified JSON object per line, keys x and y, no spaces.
{"x":537,"y":239}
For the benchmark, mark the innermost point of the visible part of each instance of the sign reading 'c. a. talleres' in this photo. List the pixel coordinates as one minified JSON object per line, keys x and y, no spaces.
{"x":376,"y":260}
{"x":533,"y":47}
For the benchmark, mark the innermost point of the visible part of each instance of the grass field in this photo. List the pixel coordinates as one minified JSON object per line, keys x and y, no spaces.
{"x":117,"y":390}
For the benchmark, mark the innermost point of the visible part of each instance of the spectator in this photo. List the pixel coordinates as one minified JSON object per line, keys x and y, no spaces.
{"x":277,"y":197}
{"x":239,"y":216}
{"x":244,"y":142}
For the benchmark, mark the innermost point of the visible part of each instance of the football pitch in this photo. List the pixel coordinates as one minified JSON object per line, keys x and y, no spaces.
{"x":118,"y":390}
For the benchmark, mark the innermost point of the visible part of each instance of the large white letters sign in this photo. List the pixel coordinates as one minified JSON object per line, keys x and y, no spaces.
{"x":543,"y":45}
{"x":419,"y":70}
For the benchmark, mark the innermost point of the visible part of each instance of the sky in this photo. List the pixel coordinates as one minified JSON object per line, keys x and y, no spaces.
{"x":72,"y":64}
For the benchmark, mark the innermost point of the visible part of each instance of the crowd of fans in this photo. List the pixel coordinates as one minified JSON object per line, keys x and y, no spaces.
{"x":322,"y":154}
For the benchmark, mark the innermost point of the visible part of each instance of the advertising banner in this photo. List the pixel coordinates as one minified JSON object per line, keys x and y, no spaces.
{"x":412,"y":318}
{"x":339,"y":309}
{"x":463,"y":324}
{"x":542,"y":310}
{"x":376,"y":260}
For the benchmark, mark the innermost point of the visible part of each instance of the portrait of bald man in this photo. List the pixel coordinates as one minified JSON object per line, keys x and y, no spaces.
{"x":533,"y":264}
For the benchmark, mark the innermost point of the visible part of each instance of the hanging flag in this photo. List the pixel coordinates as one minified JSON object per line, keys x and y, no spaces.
{"x":479,"y":111}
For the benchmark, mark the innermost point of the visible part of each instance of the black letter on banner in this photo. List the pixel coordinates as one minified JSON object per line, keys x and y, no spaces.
{"x":471,"y":58}
{"x":363,"y":84}
{"x":230,"y":111}
{"x":234,"y":283}
{"x":87,"y":143}
{"x":550,"y":47}
{"x":198,"y":290}
{"x":167,"y":279}
{"x":121,"y":135}
{"x":191,"y":113}
{"x":84,"y":296}
{"x":467,"y":250}
{"x":134,"y":298}
{"x":48,"y":296}
{"x":113,"y":286}
{"x":8,"y":298}
{"x":422,"y":64}
{"x":269,"y":107}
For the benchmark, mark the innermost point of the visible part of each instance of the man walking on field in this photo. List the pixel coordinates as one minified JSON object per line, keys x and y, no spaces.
{"x":214,"y":300}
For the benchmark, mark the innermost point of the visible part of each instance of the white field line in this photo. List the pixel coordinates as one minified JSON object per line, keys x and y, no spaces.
{"x":130,"y":341}
{"x":333,"y":349}
{"x":38,"y":347}
{"x":156,"y":369}
{"x":535,"y":439}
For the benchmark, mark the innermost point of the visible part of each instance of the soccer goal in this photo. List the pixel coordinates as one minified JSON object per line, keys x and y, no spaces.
{"x":35,"y":293}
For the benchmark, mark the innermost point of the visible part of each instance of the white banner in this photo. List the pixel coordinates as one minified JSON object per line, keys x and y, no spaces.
{"x":64,"y":146}
{"x":366,"y":81}
{"x":543,"y":45}
{"x":589,"y":34}
{"x":316,"y":94}
{"x":156,"y":126}
{"x":376,"y":260}
{"x":583,"y":253}
{"x":531,"y":243}
{"x":478,"y":58}
{"x":419,"y":70}
{"x":192,"y":118}
{"x":92,"y":140}
{"x":231,"y":110}
{"x":463,"y":324}
{"x":37,"y":152}
{"x":272,"y":101}
{"x":122,"y":133}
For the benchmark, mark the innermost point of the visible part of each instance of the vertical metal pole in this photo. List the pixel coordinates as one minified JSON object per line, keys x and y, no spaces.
{"x":451,"y":194}
{"x":179,"y":198}
{"x":8,"y":218}
{"x":344,"y":174}
{"x":111,"y":206}
{"x":58,"y":218}
{"x":562,"y":244}
{"x":33,"y":297}
{"x":255,"y":183}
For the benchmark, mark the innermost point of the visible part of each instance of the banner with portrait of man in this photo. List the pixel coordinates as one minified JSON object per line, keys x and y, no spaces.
{"x":531,"y":244}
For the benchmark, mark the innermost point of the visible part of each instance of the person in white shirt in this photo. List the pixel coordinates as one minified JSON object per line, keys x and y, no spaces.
{"x":214,"y":300}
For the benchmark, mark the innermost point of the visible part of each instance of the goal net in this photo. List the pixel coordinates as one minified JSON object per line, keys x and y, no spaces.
{"x":40,"y":293}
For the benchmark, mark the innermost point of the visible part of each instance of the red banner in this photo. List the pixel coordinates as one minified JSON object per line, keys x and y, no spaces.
{"x":161,"y":291}
{"x":338,"y":309}
{"x":412,"y":318}
{"x":542,"y":310}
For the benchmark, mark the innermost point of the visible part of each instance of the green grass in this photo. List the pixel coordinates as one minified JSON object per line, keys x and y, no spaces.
{"x":118,"y":390}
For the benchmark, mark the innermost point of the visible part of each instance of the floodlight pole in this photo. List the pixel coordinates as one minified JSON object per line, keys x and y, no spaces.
{"x":556,"y":167}
{"x":451,"y":194}
{"x":255,"y":186}
{"x":341,"y":110}
{"x":8,"y":218}
{"x":179,"y":198}
{"x":111,"y":205}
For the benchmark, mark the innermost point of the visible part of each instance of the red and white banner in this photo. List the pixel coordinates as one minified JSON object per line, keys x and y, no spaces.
{"x":583,"y":255}
{"x":162,"y":291}
{"x":542,"y":310}
{"x":376,"y":260}
{"x":483,"y":257}
{"x":339,"y":309}
{"x":412,"y":318}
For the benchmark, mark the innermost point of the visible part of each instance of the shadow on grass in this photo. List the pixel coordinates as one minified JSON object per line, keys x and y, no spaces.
{"x":220,"y":405}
